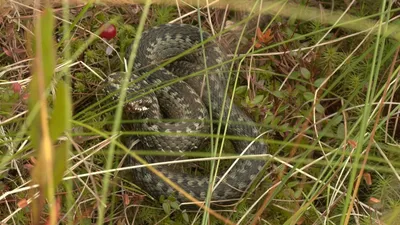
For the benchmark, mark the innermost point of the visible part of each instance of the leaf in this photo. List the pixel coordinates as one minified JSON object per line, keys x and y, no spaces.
{"x":43,"y":68}
{"x":305,"y":73}
{"x":47,"y":51}
{"x":295,"y":75}
{"x":240,"y":90}
{"x":367,"y":178}
{"x":258,"y":99}
{"x":292,"y":19}
{"x":247,"y":99}
{"x":318,"y":82}
{"x":60,"y":162}
{"x":62,"y":111}
{"x":185,"y":217}
{"x":256,"y":43}
{"x":174,"y":205}
{"x":319,"y":108}
{"x":7,"y":52}
{"x":288,"y":192}
{"x":374,"y":200}
{"x":166,"y":207}
{"x":340,"y":131}
{"x":278,"y":94}
{"x":265,"y":37}
{"x":352,"y":143}
{"x":262,"y":38}
{"x":288,"y":31}
{"x":171,"y":198}
{"x":34,"y":129}
{"x":276,"y":121}
{"x":292,"y":184}
{"x":301,"y":88}
{"x":126,"y":199}
{"x":336,"y":120}
{"x":308,"y":96}
{"x":297,"y":193}
{"x":22,"y":203}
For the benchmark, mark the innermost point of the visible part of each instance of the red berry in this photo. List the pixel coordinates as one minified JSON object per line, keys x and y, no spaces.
{"x":109,"y":32}
{"x":16,"y":87}
{"x":25,"y":96}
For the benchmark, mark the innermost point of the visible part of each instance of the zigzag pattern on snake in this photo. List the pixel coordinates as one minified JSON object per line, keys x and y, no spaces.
{"x":186,"y":100}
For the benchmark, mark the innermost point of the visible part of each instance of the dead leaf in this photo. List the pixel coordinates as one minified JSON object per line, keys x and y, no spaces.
{"x":126,"y":199}
{"x":352,"y":143}
{"x":368,"y":179}
{"x":28,"y":166}
{"x":22,"y":203}
{"x":257,"y":44}
{"x":7,"y":52}
{"x":137,"y":199}
{"x":374,"y":200}
{"x":33,"y":160}
{"x":262,"y":38}
{"x":25,"y":97}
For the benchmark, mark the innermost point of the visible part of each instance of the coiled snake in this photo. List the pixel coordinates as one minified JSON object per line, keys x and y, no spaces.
{"x":187,"y":100}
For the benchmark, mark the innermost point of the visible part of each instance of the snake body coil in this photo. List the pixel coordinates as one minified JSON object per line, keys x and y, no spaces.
{"x":189,"y":99}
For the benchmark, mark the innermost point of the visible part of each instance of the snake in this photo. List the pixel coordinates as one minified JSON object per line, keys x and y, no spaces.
{"x":179,"y":72}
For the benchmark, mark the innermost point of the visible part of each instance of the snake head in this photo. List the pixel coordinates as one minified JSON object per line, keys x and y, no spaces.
{"x":136,"y":101}
{"x":138,"y":106}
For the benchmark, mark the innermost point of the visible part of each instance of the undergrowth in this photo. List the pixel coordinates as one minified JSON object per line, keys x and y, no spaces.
{"x":325,"y":96}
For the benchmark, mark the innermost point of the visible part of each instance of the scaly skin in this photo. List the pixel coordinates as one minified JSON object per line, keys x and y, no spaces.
{"x":157,"y":45}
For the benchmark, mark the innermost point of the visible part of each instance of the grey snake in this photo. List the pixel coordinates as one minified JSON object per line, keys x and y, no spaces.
{"x":192,"y":101}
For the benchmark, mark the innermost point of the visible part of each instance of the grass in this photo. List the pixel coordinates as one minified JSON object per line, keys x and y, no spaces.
{"x":322,"y":80}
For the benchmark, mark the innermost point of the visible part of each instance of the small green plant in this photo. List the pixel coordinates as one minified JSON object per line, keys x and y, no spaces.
{"x":163,"y":14}
{"x":170,"y":204}
{"x":9,"y":97}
